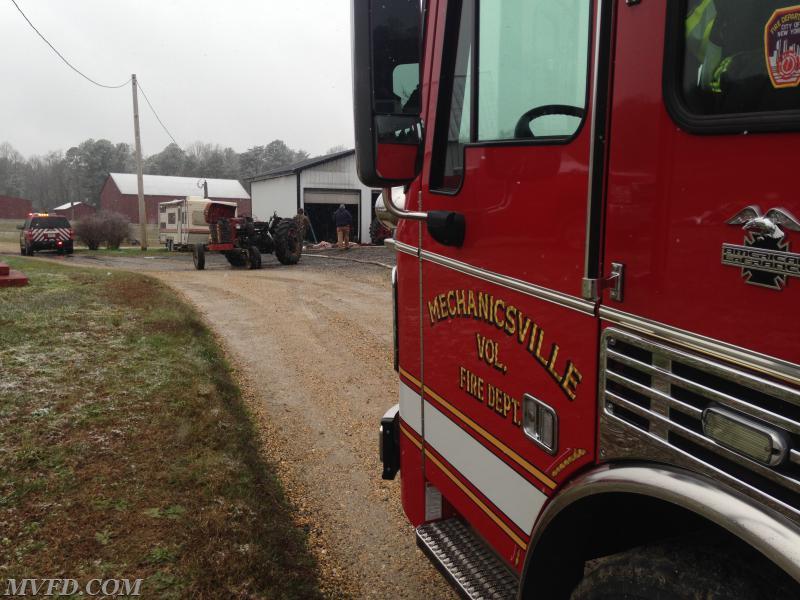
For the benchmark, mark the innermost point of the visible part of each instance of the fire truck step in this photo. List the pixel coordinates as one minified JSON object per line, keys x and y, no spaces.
{"x":4,"y":270}
{"x":473,"y":569}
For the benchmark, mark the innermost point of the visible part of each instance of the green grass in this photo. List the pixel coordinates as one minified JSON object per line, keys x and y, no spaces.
{"x":8,"y":229}
{"x":126,"y":450}
{"x":7,"y":225}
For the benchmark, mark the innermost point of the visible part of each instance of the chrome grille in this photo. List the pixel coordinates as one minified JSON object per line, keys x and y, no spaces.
{"x":653,"y":399}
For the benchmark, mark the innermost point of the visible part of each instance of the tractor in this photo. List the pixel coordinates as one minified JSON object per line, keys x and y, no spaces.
{"x":242,"y":240}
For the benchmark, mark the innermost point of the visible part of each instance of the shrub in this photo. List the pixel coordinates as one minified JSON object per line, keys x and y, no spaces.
{"x":114,"y":227}
{"x":104,"y":226}
{"x":89,"y":231}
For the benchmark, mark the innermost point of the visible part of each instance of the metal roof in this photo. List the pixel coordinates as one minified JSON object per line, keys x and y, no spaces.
{"x":301,"y":165}
{"x":67,"y":206}
{"x":161,"y":185}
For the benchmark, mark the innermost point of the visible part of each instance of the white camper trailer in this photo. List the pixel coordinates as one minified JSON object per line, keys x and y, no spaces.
{"x":181,"y":222}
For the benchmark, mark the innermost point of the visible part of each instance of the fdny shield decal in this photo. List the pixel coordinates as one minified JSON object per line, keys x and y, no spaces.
{"x":782,"y":47}
{"x":764,"y":259}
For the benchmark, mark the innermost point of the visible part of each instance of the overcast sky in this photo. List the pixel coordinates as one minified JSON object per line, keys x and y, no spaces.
{"x":233,"y":72}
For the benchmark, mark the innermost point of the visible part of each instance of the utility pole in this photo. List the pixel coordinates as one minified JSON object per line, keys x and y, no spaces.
{"x":139,"y":176}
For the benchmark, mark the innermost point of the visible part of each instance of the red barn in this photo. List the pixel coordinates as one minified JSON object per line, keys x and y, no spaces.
{"x":75,"y":211}
{"x":14,"y":208}
{"x":120,"y":193}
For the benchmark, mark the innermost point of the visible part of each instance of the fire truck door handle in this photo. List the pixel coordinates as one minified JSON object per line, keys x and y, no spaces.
{"x":615,"y":282}
{"x":593,"y":288}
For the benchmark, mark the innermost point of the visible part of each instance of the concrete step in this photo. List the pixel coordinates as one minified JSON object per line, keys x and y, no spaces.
{"x":12,"y":278}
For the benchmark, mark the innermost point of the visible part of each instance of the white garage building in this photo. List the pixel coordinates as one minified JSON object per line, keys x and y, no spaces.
{"x":319,"y":185}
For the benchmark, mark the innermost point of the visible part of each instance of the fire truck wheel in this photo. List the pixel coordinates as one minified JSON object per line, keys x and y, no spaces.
{"x":288,"y":245}
{"x":676,"y":572}
{"x":253,"y":258}
{"x":199,"y":257}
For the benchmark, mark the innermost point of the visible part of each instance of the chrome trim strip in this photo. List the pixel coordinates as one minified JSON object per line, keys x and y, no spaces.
{"x":511,"y":283}
{"x":764,"y":530}
{"x":706,"y":392}
{"x":517,"y":285}
{"x":741,"y":356}
{"x":654,"y":394}
{"x":404,"y":248}
{"x":794,"y":456}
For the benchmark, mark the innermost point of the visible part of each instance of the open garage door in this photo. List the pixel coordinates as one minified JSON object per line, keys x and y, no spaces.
{"x":320,"y":206}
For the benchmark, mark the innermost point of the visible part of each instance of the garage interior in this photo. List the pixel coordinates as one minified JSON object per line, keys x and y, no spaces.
{"x":320,"y":206}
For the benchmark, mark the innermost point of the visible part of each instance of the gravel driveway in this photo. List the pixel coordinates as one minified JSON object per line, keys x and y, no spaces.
{"x":312,"y":349}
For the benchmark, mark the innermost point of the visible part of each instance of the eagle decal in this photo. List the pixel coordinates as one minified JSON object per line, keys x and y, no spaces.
{"x":774,"y":263}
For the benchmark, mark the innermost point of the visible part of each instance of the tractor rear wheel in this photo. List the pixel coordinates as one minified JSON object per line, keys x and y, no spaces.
{"x":199,"y":257}
{"x":288,"y":245}
{"x":378,"y":232}
{"x":253,"y":258}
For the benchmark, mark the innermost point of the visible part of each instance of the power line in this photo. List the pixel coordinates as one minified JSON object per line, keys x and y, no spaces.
{"x":74,"y":68}
{"x":61,"y":56}
{"x":139,"y":83}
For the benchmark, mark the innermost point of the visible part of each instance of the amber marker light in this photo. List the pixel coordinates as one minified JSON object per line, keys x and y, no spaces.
{"x":745,"y":436}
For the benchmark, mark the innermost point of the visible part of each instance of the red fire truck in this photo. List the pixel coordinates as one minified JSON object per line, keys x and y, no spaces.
{"x":596,"y":291}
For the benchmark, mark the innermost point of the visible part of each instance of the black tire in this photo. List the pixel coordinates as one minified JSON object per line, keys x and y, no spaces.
{"x":288,"y":245}
{"x":676,"y":572}
{"x":199,"y":257}
{"x":253,"y":258}
{"x":378,"y":232}
{"x":236,"y":258}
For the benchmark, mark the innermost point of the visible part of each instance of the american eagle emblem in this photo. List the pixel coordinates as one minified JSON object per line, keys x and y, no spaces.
{"x":769,"y":263}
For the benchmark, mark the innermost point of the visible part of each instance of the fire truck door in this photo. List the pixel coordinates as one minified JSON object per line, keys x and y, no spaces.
{"x":509,"y":346}
{"x":703,"y":204}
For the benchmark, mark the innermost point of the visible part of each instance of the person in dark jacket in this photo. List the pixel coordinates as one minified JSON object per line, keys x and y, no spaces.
{"x":343,"y":220}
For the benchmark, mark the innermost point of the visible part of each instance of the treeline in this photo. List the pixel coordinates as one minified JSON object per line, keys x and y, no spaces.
{"x":79,"y":173}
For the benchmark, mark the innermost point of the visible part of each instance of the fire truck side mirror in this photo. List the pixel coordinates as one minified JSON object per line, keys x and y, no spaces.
{"x":386,"y":94}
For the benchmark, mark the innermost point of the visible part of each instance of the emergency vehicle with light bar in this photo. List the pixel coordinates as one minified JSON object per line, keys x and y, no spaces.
{"x":596,"y":291}
{"x":42,"y":231}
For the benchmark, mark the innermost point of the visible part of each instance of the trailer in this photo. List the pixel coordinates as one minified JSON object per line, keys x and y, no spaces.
{"x":182,"y":222}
